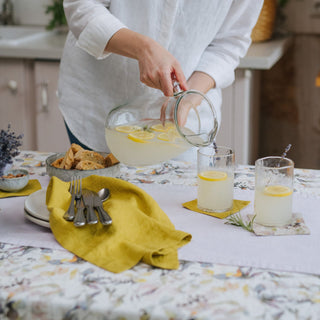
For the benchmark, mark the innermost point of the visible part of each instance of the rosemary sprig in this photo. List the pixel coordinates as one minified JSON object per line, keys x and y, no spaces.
{"x":236,"y":220}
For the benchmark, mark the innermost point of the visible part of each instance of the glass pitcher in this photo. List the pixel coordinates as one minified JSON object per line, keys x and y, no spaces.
{"x":153,"y":128}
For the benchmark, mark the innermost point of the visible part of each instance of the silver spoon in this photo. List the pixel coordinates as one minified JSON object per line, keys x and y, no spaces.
{"x":104,"y":194}
{"x":104,"y":217}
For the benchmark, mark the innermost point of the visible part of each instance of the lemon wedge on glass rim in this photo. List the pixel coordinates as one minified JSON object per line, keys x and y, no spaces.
{"x":141,"y":136}
{"x":128,"y":128}
{"x":277,"y":191}
{"x":213,"y":175}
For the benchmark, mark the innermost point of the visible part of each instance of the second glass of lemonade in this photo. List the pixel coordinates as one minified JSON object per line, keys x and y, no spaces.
{"x":215,"y":178}
{"x":273,"y":191}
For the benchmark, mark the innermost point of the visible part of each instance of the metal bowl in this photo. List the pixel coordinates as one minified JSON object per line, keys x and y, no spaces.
{"x":66,"y":175}
{"x":14,"y":184}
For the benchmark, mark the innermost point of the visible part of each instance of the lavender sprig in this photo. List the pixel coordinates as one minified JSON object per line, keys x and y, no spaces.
{"x":286,"y":150}
{"x":284,"y":154}
{"x":215,"y":146}
{"x":9,"y":147}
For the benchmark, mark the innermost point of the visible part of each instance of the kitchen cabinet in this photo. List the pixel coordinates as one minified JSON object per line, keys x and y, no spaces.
{"x":16,"y":99}
{"x":28,"y":101}
{"x":51,"y":132}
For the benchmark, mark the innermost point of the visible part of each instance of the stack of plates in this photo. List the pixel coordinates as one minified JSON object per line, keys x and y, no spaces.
{"x":35,"y":209}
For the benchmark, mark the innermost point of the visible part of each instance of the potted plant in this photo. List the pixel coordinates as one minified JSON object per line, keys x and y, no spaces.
{"x":58,"y":20}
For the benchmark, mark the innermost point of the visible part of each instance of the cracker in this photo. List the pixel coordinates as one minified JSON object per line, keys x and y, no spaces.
{"x":90,"y":156}
{"x":68,"y":159}
{"x":88,"y":165}
{"x":111,"y":160}
{"x":57,"y":163}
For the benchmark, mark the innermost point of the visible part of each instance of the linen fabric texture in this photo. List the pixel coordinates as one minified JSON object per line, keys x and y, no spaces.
{"x":140,"y":230}
{"x":205,"y":35}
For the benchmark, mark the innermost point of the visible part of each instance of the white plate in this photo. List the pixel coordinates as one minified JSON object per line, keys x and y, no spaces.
{"x":35,"y":205}
{"x":40,"y":222}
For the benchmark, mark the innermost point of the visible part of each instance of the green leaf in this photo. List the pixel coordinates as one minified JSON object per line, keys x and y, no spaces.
{"x":57,"y":12}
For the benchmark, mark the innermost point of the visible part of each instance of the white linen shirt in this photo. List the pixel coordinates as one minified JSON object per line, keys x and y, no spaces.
{"x":204,"y":35}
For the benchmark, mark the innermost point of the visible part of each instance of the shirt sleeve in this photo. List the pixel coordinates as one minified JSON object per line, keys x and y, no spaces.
{"x":222,"y":56}
{"x":92,"y":24}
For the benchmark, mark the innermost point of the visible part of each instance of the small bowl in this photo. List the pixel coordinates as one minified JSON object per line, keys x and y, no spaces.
{"x":66,"y":175}
{"x":14,"y":184}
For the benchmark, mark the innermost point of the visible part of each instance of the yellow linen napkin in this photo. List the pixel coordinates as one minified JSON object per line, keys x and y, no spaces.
{"x":31,"y":187}
{"x":237,"y":206}
{"x":140,"y":231}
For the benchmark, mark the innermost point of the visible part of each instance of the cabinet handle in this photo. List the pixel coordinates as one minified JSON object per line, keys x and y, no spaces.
{"x":13,"y":86}
{"x":44,"y":97}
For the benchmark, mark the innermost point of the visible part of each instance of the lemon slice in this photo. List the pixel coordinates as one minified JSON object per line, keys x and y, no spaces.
{"x":160,"y":128}
{"x":140,"y":136}
{"x":128,"y":129}
{"x":173,"y":132}
{"x":164,"y":137}
{"x":213,"y":175}
{"x":277,"y":191}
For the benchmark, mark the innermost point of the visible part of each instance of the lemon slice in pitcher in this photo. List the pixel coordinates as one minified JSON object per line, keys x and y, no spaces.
{"x":212,"y":175}
{"x":165,"y":137}
{"x":141,"y":136}
{"x":277,"y":191}
{"x":128,"y":129}
{"x":160,"y":128}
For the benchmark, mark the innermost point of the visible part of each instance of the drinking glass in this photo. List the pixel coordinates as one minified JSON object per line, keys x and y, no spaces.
{"x":273,"y":191}
{"x":215,"y":168}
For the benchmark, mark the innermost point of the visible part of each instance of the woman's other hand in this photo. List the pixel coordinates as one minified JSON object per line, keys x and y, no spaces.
{"x":199,"y":81}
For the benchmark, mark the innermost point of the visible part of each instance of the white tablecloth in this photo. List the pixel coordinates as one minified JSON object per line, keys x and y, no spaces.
{"x":213,"y":241}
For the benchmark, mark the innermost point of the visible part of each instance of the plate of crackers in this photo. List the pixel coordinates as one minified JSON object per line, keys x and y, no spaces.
{"x":78,"y":161}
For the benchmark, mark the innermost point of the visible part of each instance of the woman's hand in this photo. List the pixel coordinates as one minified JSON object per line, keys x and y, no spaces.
{"x":157,"y":65}
{"x":198,"y":81}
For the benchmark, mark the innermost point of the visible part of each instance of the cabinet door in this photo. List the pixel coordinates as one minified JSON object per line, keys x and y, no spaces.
{"x":239,"y":116}
{"x":51,"y":132}
{"x":16,"y":99}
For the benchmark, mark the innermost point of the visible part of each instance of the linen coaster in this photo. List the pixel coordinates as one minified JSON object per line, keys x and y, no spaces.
{"x":237,"y":206}
{"x":32,"y":186}
{"x":296,"y":227}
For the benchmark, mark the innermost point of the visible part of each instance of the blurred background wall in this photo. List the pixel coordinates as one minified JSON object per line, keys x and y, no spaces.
{"x":290,"y":100}
{"x":30,"y":12}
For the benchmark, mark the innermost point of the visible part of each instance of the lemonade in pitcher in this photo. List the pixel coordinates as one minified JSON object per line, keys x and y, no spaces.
{"x":145,"y":142}
{"x":153,"y":128}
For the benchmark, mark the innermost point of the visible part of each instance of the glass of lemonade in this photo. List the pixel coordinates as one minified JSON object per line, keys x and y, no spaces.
{"x":215,"y":178}
{"x":273,"y":191}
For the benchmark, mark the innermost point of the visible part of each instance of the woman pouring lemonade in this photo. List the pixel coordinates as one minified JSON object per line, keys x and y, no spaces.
{"x":119,"y":50}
